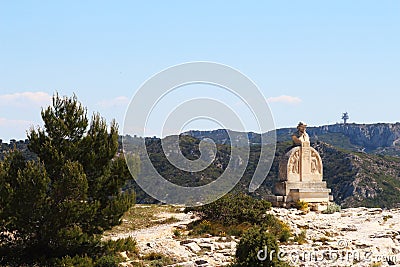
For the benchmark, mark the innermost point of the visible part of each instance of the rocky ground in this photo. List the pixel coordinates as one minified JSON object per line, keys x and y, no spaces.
{"x":184,"y":250}
{"x":353,"y":237}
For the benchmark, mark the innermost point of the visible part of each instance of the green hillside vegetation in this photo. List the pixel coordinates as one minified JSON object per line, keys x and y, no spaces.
{"x":338,"y":140}
{"x":361,"y":179}
{"x":356,"y":179}
{"x":21,"y":146}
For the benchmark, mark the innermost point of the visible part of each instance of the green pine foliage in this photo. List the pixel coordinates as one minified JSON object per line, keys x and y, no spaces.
{"x":258,"y":247}
{"x":59,"y":205}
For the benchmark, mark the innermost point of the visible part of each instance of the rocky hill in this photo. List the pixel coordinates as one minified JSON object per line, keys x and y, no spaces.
{"x":356,"y":178}
{"x":361,"y":179}
{"x":378,"y":138}
{"x":21,"y":145}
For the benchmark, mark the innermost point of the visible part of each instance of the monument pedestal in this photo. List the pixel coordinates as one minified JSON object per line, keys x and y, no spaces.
{"x":300,"y":179}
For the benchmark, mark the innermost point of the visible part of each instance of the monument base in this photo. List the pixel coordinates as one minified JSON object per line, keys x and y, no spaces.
{"x":287,"y":194}
{"x":284,"y":188}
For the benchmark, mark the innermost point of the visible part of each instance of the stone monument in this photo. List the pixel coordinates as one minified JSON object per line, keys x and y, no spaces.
{"x":301,"y":175}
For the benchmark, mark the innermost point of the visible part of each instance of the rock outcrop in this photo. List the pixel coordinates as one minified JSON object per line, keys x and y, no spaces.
{"x":352,"y":237}
{"x":368,"y":136}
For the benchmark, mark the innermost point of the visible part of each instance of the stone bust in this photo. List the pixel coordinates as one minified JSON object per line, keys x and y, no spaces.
{"x":300,"y":135}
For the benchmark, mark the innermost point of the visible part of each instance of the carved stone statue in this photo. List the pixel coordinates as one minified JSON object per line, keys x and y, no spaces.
{"x":316,"y":163}
{"x":300,"y":136}
{"x":294,"y":161}
{"x":301,"y":173}
{"x":302,"y":163}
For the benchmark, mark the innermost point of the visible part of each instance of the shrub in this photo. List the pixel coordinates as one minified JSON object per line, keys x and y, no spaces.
{"x":152,"y":256}
{"x":234,"y":214}
{"x":250,"y":245}
{"x":278,"y":228}
{"x":112,"y":247}
{"x":302,"y":205}
{"x":171,"y":219}
{"x":157,"y":259}
{"x":332,"y":208}
{"x":177,"y":233}
{"x":234,"y":209}
{"x":108,"y":261}
{"x":301,"y":238}
{"x":77,"y":261}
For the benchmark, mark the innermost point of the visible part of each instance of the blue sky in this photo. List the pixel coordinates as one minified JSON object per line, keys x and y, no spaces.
{"x":312,"y":60}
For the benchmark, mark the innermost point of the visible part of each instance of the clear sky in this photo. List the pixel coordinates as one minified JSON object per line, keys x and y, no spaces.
{"x":312,"y":60}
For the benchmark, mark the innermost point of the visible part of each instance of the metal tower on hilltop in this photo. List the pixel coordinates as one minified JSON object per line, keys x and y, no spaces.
{"x":345,"y":117}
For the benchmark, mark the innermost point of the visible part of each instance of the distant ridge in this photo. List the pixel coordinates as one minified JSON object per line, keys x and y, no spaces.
{"x":378,"y":138}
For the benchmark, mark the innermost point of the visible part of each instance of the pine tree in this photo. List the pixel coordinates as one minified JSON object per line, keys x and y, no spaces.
{"x":62,"y":203}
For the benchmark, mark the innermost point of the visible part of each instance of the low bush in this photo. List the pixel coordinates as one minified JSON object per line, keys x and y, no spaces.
{"x":301,"y":238}
{"x":257,"y":247}
{"x":177,"y":233}
{"x":154,"y":259}
{"x":234,"y":209}
{"x":112,"y":247}
{"x":302,"y":205}
{"x":332,"y":208}
{"x":234,"y":214}
{"x":77,"y":261}
{"x":200,"y":228}
{"x":108,"y":261}
{"x":278,"y":228}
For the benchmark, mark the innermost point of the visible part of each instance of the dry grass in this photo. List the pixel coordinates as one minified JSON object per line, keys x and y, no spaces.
{"x":144,"y":216}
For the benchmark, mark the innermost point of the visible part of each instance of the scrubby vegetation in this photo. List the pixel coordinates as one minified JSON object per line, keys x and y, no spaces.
{"x":302,"y":205}
{"x":234,"y":209}
{"x":246,"y":217}
{"x":301,"y":238}
{"x":332,"y":208}
{"x":256,"y":240}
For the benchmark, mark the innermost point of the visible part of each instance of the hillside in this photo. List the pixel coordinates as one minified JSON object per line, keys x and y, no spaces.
{"x":378,"y":138}
{"x":356,"y":178}
{"x":21,"y":145}
{"x":361,"y":179}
